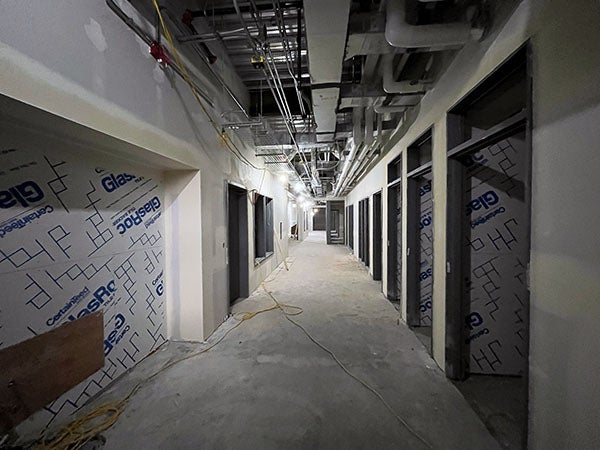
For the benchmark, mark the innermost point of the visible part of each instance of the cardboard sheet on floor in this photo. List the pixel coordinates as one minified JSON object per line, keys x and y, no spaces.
{"x":37,"y":371}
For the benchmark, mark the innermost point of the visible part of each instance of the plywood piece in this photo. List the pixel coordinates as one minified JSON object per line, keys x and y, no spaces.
{"x":37,"y":371}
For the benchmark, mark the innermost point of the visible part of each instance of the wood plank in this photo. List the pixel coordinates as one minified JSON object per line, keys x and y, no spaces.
{"x":37,"y":371}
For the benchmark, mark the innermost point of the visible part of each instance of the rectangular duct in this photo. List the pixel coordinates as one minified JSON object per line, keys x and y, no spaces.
{"x":326,"y":28}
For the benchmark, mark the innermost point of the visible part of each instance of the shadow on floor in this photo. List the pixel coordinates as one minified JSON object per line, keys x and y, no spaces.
{"x":500,"y":402}
{"x":424,"y":335}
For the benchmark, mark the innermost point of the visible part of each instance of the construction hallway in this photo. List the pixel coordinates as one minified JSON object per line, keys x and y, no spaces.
{"x":311,"y":224}
{"x":267,"y":385}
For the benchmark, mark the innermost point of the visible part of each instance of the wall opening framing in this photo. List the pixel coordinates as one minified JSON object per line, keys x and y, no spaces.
{"x":351,"y":226}
{"x":263,"y":228}
{"x":488,"y":241}
{"x":419,"y":217}
{"x":363,"y":231}
{"x":237,"y":242}
{"x":377,"y":236}
{"x":394,"y":229}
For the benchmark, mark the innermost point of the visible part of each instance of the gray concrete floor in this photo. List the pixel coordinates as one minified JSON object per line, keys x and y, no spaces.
{"x":424,"y":336}
{"x":499,"y":401}
{"x":267,"y":386}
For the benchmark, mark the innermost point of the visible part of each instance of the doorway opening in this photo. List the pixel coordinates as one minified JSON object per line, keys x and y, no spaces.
{"x":488,"y":247}
{"x":335,"y":222}
{"x":237,"y":242}
{"x":351,"y":226}
{"x":377,"y":235}
{"x":363,"y":231}
{"x":394,"y":228}
{"x":419,"y":229}
{"x":319,"y":219}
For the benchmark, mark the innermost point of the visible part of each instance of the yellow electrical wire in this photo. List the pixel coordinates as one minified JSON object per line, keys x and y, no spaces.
{"x":187,"y":78}
{"x":81,"y":430}
{"x":366,"y":385}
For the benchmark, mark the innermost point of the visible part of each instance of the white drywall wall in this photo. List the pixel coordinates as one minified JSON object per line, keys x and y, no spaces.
{"x":80,"y":62}
{"x":565,"y":248}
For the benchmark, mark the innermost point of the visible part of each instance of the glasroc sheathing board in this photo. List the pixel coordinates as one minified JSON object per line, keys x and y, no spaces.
{"x":498,"y":246}
{"x":426,"y":244}
{"x":78,"y":236}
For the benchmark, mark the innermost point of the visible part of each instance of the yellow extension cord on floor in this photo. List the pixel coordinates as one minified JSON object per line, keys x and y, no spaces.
{"x":82,"y":430}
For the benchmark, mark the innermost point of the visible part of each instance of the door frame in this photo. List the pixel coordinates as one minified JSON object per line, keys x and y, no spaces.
{"x":243,"y":250}
{"x":377,"y":235}
{"x":394,"y":191}
{"x":457,"y":304}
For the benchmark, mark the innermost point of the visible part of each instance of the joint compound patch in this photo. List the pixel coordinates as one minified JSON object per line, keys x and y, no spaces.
{"x":94,"y":33}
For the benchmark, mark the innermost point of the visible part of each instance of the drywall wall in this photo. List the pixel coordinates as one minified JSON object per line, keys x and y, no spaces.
{"x":83,"y":65}
{"x":564,"y":249}
{"x":565,"y":267}
{"x":79,"y":234}
{"x":81,"y":62}
{"x":470,"y":65}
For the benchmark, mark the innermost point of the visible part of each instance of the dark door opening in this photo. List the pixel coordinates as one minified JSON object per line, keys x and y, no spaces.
{"x":419,"y":210}
{"x":351,"y":226}
{"x":335,"y":222}
{"x":361,"y":227}
{"x":319,"y":219}
{"x":488,"y":246}
{"x":237,"y":239}
{"x":394,"y":229}
{"x":363,"y":231}
{"x":377,"y":235}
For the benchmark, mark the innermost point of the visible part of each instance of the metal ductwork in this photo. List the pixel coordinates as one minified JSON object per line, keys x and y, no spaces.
{"x":275,"y":46}
{"x":399,"y":33}
{"x":358,"y":132}
{"x":316,"y":182}
{"x":390,"y":109}
{"x":405,"y":87}
{"x":326,"y":27}
{"x":369,"y":116}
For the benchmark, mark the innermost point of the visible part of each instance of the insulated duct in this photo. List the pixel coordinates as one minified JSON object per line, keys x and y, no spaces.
{"x":326,"y":27}
{"x":399,"y":87}
{"x":390,"y":109}
{"x":399,"y":33}
{"x":358,"y":133}
{"x":369,"y":116}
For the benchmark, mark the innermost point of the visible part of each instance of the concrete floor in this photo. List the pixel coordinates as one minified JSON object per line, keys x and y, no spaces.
{"x":499,"y":401}
{"x":424,"y":336}
{"x":267,"y":386}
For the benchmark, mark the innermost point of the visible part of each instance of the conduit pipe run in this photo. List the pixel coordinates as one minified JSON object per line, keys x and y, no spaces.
{"x":358,"y":148}
{"x":363,"y":166}
{"x":399,"y":33}
{"x":277,"y":90}
{"x":356,"y":162}
{"x":349,"y":159}
{"x":208,"y":65}
{"x":149,"y":40}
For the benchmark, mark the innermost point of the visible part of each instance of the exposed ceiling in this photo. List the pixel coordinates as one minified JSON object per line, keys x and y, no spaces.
{"x":328,"y":80}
